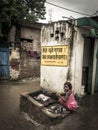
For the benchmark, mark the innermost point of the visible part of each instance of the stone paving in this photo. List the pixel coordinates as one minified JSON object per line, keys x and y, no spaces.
{"x":85,"y":118}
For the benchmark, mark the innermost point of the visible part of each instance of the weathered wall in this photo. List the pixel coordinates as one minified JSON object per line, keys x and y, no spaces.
{"x":12,"y":34}
{"x":53,"y":77}
{"x":77,"y":62}
{"x":30,"y":53}
{"x":94,"y":74}
{"x":14,"y":64}
{"x":27,"y":63}
{"x":14,"y":60}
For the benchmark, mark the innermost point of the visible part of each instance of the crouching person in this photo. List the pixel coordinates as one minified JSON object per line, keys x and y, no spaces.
{"x":68,"y":100}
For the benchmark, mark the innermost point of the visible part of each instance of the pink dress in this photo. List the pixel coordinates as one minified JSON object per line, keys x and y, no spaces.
{"x":70,"y":103}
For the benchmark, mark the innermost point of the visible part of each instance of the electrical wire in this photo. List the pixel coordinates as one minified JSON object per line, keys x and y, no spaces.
{"x":68,"y":9}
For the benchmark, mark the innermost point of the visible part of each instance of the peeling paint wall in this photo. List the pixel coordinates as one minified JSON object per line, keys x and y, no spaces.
{"x":25,"y":55}
{"x":14,"y":64}
{"x":77,"y":62}
{"x":53,"y":77}
{"x":30,"y":53}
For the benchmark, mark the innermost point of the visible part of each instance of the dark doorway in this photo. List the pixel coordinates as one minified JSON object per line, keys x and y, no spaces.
{"x":87,"y":64}
{"x":96,"y":77}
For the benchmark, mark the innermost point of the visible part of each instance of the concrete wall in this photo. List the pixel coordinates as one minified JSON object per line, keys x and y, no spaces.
{"x":77,"y":62}
{"x":53,"y":77}
{"x":27,"y":64}
{"x":30,"y":62}
{"x":94,"y":66}
{"x":14,"y":64}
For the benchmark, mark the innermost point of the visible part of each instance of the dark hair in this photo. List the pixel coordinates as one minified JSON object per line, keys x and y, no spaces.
{"x":68,"y":84}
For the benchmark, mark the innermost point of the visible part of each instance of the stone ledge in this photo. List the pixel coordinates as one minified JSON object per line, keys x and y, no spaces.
{"x":37,"y":110}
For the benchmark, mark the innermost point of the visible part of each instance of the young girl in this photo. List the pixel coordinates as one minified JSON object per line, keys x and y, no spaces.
{"x":68,"y":100}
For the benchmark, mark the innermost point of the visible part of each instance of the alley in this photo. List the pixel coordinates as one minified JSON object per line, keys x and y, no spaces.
{"x":85,"y":118}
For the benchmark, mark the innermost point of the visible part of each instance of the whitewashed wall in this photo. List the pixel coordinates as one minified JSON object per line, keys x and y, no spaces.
{"x":53,"y":77}
{"x":94,"y":65}
{"x":77,"y":62}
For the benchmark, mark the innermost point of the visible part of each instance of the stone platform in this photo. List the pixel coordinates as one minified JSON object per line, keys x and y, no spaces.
{"x":43,"y":107}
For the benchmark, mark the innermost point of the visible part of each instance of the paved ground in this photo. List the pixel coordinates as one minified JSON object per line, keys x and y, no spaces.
{"x":86,"y":117}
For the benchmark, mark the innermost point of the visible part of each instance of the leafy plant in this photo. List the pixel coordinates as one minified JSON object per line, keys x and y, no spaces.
{"x":11,"y":10}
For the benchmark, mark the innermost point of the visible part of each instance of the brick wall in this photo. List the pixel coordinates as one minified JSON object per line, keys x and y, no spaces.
{"x":29,"y":52}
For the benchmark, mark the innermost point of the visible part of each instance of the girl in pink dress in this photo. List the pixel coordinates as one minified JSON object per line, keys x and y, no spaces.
{"x":68,"y":100}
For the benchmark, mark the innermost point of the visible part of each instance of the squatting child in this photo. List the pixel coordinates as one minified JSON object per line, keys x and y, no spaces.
{"x":68,"y":100}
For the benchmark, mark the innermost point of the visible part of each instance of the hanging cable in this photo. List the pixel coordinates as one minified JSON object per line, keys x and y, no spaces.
{"x":68,"y":9}
{"x":95,"y":13}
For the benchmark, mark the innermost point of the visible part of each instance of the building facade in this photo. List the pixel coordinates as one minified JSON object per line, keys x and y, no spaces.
{"x":23,"y":52}
{"x":69,"y":53}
